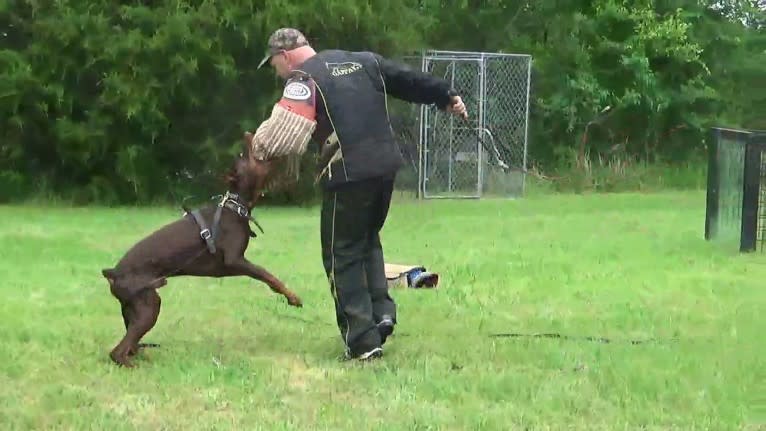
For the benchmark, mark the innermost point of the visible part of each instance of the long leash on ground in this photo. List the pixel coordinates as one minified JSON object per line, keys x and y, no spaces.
{"x":553,"y":335}
{"x":550,"y":335}
{"x":602,"y":340}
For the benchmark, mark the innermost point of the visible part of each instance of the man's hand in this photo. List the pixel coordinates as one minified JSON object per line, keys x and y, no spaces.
{"x":457,"y":107}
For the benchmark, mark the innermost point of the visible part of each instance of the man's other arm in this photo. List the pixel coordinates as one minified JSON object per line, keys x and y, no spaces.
{"x":406,"y":83}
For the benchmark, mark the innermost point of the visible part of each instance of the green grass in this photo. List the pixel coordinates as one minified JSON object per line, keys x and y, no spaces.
{"x":233,"y":355}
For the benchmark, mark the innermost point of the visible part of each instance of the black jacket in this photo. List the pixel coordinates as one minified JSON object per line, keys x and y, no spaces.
{"x":351,"y":89}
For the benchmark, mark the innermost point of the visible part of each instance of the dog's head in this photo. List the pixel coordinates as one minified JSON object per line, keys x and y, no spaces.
{"x":247,"y":175}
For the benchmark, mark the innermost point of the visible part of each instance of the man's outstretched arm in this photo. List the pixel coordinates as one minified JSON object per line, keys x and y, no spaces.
{"x":408,"y":84}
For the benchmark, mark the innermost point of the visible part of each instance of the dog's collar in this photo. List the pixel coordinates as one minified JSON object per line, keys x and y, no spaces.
{"x":231,"y":201}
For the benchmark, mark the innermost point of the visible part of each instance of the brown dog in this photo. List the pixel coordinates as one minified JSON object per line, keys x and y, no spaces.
{"x":209,"y":242}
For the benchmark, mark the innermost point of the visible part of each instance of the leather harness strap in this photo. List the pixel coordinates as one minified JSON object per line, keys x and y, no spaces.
{"x":204,"y":232}
{"x":209,"y":235}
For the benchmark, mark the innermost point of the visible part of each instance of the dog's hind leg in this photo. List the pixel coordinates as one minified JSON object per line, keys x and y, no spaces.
{"x":125,"y":308}
{"x":148,"y":315}
{"x":242,"y":266}
{"x":126,"y":346}
{"x":140,"y":314}
{"x":144,"y":311}
{"x":126,"y":318}
{"x":127,"y":312}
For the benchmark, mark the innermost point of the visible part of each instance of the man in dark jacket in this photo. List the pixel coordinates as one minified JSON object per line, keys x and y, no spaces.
{"x":338,"y":99}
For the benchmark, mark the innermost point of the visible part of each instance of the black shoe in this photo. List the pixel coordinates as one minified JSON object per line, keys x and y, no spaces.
{"x":385,"y":328}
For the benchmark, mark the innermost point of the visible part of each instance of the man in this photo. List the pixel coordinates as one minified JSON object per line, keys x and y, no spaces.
{"x":338,"y":98}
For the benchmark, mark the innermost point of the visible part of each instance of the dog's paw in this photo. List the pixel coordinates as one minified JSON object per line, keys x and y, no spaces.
{"x":294,"y":301}
{"x":120,"y":359}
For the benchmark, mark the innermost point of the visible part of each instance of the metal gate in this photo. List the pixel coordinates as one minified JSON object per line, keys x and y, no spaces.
{"x":487,"y":154}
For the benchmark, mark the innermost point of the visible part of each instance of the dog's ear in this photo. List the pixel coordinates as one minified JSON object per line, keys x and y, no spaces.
{"x":230,"y":177}
{"x":247,"y":144}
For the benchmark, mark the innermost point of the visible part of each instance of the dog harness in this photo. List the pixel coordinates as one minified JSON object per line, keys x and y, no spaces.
{"x":230,"y":201}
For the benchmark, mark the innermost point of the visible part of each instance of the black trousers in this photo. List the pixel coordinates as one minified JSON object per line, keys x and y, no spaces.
{"x":351,"y":219}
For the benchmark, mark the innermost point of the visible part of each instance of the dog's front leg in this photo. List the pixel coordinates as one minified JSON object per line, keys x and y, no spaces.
{"x":242,"y":266}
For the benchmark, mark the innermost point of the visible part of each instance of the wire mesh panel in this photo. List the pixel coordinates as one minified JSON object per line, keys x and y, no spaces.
{"x":727,"y":177}
{"x":761,"y":238}
{"x":484,"y":155}
{"x":735,"y":208}
{"x":451,"y":148}
{"x":504,"y":124}
{"x":405,"y":120}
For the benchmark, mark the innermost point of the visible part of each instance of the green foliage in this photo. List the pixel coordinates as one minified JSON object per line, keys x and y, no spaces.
{"x":619,"y":173}
{"x":139,"y":102}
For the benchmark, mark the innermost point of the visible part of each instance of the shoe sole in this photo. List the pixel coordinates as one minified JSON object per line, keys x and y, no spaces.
{"x":372,"y":354}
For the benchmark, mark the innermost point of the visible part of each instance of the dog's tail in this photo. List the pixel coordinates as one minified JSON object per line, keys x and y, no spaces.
{"x":110,"y":274}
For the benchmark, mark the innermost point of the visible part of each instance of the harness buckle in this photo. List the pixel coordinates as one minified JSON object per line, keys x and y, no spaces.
{"x":205,"y":234}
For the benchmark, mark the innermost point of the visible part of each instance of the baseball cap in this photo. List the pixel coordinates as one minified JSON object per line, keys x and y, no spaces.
{"x":284,"y":39}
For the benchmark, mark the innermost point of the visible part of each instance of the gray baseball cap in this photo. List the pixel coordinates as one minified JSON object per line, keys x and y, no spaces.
{"x":283,"y":39}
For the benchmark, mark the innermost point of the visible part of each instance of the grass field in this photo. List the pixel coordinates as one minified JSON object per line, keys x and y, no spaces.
{"x":233,"y":355}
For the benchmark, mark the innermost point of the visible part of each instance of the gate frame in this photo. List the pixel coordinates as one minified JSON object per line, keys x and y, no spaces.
{"x":424,"y":125}
{"x":431,"y":56}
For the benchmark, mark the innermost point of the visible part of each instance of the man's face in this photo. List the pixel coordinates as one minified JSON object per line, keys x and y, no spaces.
{"x":280,"y":64}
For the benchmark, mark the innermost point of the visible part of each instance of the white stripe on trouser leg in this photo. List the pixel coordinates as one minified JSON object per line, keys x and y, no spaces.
{"x":332,"y":269}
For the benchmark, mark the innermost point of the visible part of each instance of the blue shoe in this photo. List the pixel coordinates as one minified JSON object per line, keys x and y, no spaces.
{"x":419,"y":277}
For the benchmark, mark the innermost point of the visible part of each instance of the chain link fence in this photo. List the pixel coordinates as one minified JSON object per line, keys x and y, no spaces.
{"x":448,"y":157}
